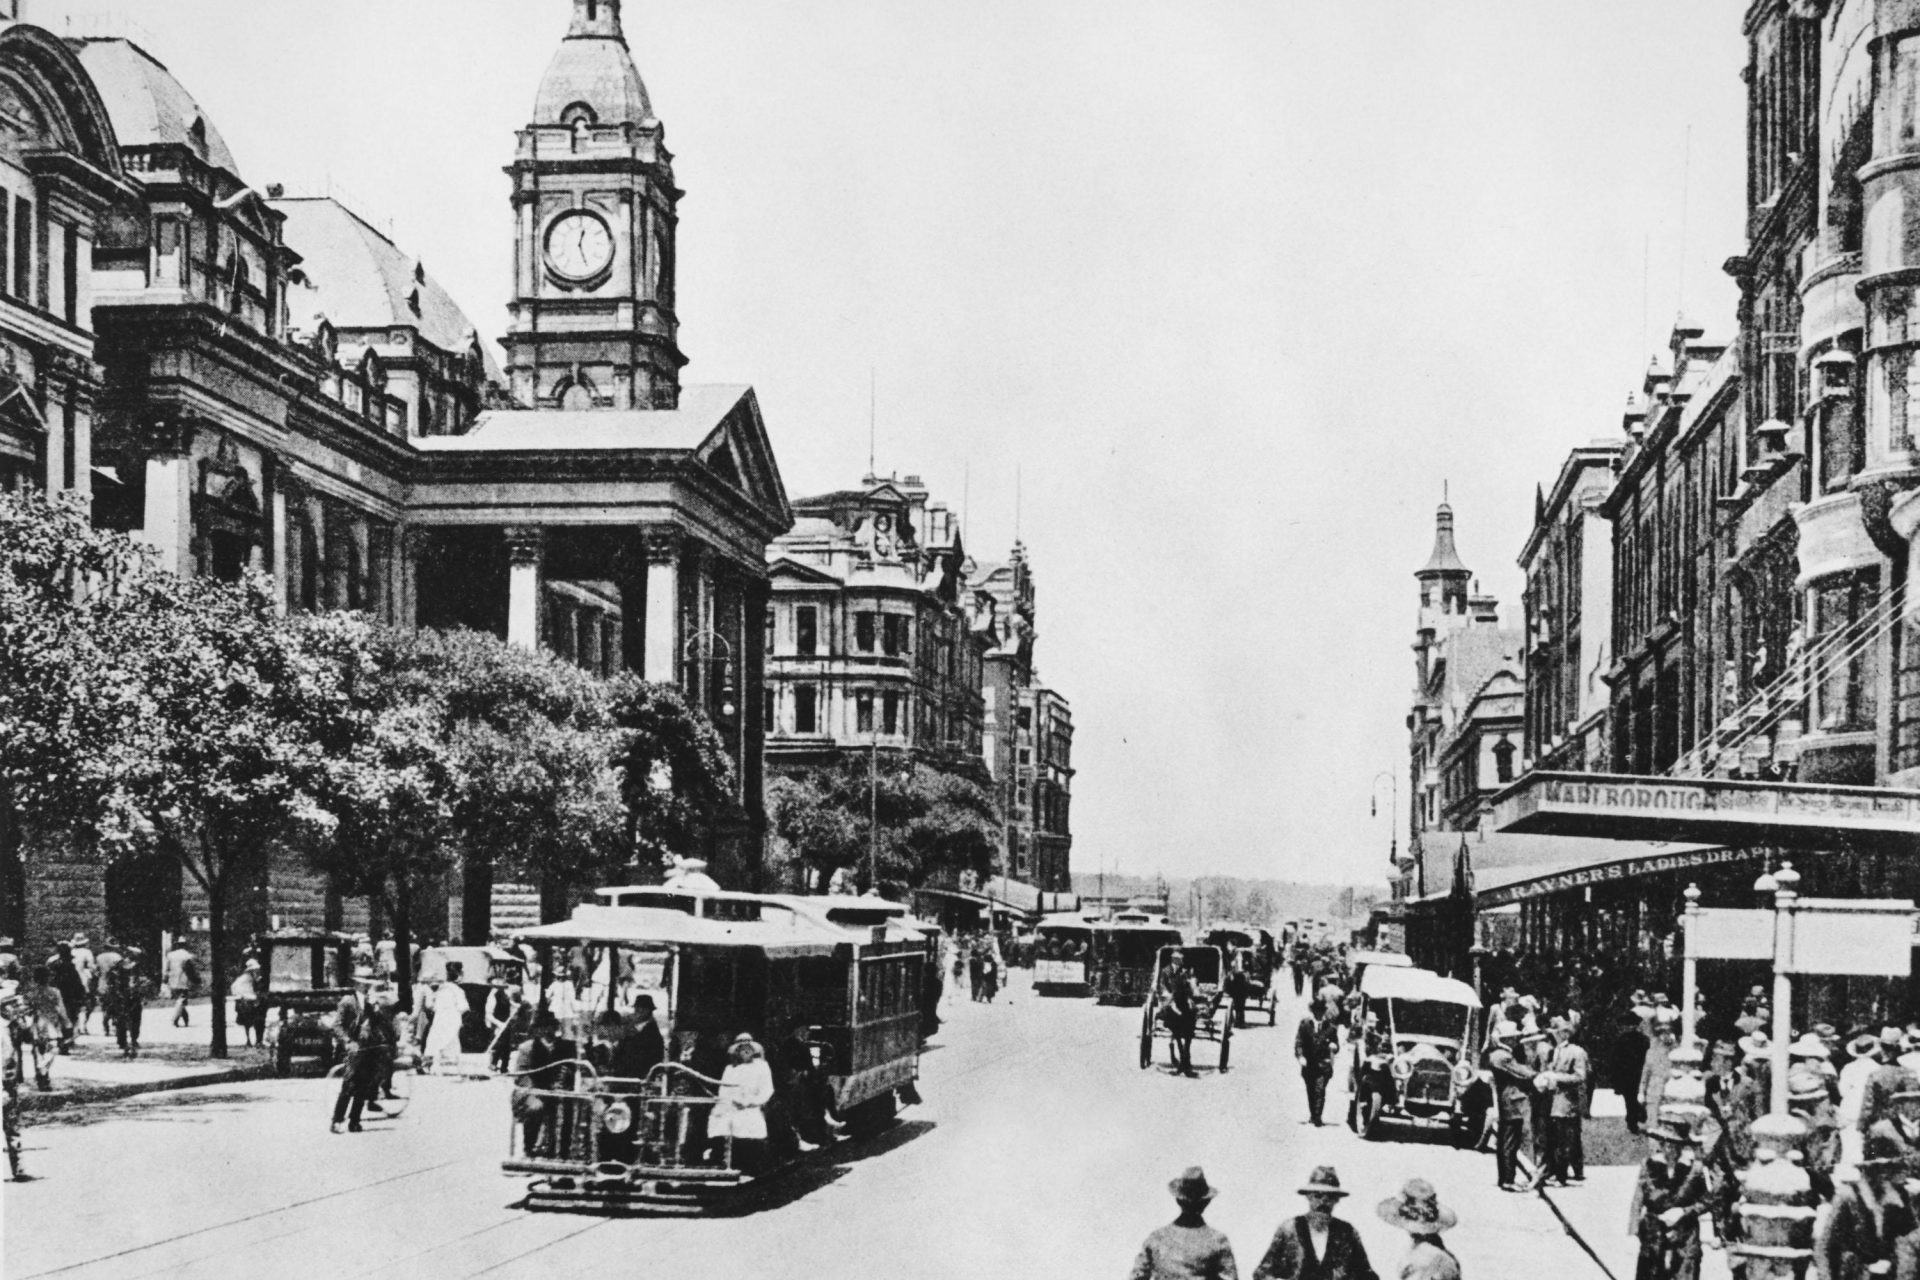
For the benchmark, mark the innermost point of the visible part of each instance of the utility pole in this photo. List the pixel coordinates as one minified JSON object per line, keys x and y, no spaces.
{"x":873,"y":819}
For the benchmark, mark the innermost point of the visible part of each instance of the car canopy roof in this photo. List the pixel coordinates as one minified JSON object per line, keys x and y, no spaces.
{"x":1383,"y":983}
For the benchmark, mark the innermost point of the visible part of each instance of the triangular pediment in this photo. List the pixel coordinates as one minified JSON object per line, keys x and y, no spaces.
{"x":740,"y":455}
{"x":785,"y":566}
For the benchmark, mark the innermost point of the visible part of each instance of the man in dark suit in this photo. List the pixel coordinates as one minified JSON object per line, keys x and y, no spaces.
{"x":1513,"y":1093}
{"x":1316,"y":1245}
{"x":641,"y":1047}
{"x":366,"y":1039}
{"x":1315,"y":1045}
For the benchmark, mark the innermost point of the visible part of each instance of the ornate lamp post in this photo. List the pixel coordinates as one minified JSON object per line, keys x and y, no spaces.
{"x":1689,"y":966}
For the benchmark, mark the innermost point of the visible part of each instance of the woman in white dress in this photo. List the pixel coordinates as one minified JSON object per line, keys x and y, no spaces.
{"x":746,"y":1086}
{"x":449,"y":1007}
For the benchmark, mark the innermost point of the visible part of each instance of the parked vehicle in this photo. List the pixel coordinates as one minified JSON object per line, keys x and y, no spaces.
{"x":1212,"y":1011}
{"x":850,"y":1007}
{"x":1414,"y":1061}
{"x":304,"y":973}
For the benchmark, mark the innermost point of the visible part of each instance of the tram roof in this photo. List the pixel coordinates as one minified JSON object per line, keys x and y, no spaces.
{"x":789,"y":933}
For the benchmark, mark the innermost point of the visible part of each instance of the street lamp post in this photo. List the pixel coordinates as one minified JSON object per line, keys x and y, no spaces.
{"x":1782,"y":885}
{"x":1393,"y":812}
{"x":1689,"y":965}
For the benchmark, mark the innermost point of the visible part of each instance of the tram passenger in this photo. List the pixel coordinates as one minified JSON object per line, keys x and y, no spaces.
{"x":539,"y":1064}
{"x":797,"y":1080}
{"x":739,"y":1113}
{"x":640,"y":1047}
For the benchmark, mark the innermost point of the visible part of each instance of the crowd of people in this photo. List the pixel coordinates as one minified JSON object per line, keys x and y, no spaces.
{"x":1315,"y":1245}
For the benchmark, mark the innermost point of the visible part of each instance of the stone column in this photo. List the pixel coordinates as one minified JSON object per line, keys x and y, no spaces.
{"x":587,"y":643}
{"x":167,"y":522}
{"x":662,"y":655}
{"x":277,"y":535}
{"x":525,"y":550}
{"x":407,"y":597}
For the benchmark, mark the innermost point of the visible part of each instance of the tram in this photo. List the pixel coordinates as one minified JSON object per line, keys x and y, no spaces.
{"x":1124,"y":952}
{"x":1062,"y":951}
{"x":838,"y":1018}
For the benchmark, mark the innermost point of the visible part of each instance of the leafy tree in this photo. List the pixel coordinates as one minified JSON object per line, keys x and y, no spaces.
{"x":933,"y":824}
{"x":676,"y":778}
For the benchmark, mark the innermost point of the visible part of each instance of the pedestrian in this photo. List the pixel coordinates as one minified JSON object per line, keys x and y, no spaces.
{"x":1668,"y":1202}
{"x":1566,"y":1080}
{"x":9,"y":960}
{"x":11,"y":1035}
{"x":65,"y":974}
{"x":510,"y":1028}
{"x":359,"y":1038}
{"x":183,"y":975}
{"x":1885,"y":1085}
{"x":1315,"y":1046}
{"x":976,"y":972}
{"x":1177,"y":1013}
{"x":1658,"y":1066}
{"x":1187,"y":1248}
{"x":1864,"y":1050}
{"x":449,"y":1008}
{"x":386,"y":957}
{"x":1513,"y":1095}
{"x":1626,"y":1057}
{"x":126,"y":1000}
{"x":88,"y":965}
{"x":47,"y":1019}
{"x":249,"y":1014}
{"x":1809,"y":1100}
{"x":1237,"y":987}
{"x":1418,"y":1212}
{"x":1316,"y":1245}
{"x":1857,"y":1237}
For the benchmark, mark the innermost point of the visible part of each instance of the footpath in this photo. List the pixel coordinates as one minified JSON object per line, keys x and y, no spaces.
{"x":170,"y":1058}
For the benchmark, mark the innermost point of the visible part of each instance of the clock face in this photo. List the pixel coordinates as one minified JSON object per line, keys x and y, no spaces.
{"x":579,"y":245}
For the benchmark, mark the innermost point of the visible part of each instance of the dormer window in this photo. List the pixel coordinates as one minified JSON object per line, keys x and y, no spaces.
{"x":197,"y":135}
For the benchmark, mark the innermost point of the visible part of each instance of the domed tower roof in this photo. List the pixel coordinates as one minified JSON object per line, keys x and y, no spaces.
{"x":147,"y":105}
{"x":592,"y":68}
{"x":1445,"y":560}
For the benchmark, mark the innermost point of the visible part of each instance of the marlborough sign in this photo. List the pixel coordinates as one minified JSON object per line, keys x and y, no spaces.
{"x":1705,"y":811}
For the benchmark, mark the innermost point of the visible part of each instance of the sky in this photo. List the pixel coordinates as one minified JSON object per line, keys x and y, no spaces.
{"x":1204,"y":300}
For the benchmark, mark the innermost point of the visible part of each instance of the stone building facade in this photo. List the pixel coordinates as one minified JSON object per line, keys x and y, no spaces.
{"x":248,"y":381}
{"x":868,"y":641}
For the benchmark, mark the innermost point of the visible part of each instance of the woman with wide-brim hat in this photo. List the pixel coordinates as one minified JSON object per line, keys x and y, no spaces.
{"x":1418,"y":1212}
{"x":1668,"y":1202}
{"x":1187,"y":1246}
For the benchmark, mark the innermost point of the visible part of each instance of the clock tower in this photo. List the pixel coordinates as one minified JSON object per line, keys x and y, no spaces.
{"x":593,"y":325}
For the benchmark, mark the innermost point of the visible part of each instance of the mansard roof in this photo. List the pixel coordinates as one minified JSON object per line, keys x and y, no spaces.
{"x":148,"y":106}
{"x":359,"y":279}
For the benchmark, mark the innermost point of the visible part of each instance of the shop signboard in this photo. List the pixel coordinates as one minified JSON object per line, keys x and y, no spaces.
{"x":1730,"y":933}
{"x":1866,"y":936}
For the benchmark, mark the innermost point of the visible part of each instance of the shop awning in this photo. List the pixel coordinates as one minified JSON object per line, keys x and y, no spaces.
{"x":1509,"y":868}
{"x":1016,"y":894}
{"x":1789,"y":815}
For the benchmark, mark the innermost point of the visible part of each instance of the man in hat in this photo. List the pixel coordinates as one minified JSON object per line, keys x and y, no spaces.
{"x":1625,"y":1057}
{"x":1809,"y":1100}
{"x":363,"y":1036}
{"x":539,"y":1064}
{"x":249,"y":1014}
{"x":1513,"y":1094}
{"x":1658,"y":1066}
{"x":1565,"y":1081}
{"x":1187,"y":1248}
{"x":1316,"y":1245}
{"x":1315,"y":1045}
{"x":1863,"y":1052}
{"x":183,"y":975}
{"x":1177,"y":1011}
{"x":1857,"y":1238}
{"x":641,"y":1047}
{"x":1418,"y":1212}
{"x":1667,"y":1206}
{"x":1886,"y":1084}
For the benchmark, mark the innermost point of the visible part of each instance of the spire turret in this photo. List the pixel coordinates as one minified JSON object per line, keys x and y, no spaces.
{"x":1444,"y":579}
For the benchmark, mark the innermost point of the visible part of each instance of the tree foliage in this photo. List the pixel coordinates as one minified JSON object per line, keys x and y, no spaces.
{"x":934,"y":825}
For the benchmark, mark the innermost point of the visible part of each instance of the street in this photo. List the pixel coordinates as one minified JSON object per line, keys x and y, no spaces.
{"x":1041,"y":1150}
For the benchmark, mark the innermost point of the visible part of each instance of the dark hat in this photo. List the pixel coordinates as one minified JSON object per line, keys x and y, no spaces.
{"x":1323,"y":1182}
{"x":1191,"y":1188}
{"x":1417,"y":1209}
{"x":545,"y":1021}
{"x":1668,"y":1131}
{"x":643,"y":1001}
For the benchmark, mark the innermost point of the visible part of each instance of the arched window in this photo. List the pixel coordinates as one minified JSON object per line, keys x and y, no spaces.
{"x":575,"y":394}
